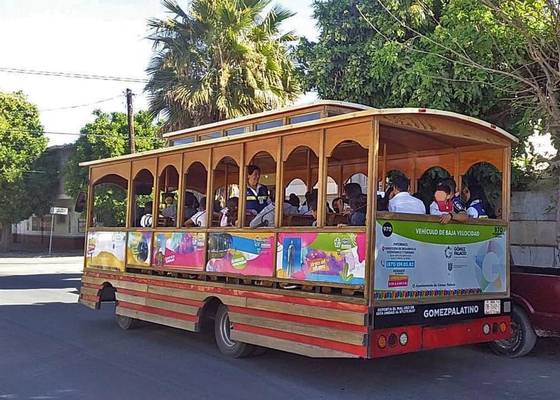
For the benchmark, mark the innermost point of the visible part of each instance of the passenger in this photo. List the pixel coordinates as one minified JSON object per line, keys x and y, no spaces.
{"x":199,"y":218}
{"x":266,"y":216}
{"x":146,"y":220}
{"x":459,"y":212}
{"x":401,"y":201}
{"x":458,"y":205}
{"x":442,"y":203}
{"x":256,"y":194}
{"x":422,"y":198}
{"x":311,"y":195}
{"x":229,"y":213}
{"x":338,"y":205}
{"x":313,"y":209}
{"x":352,"y":190}
{"x":293,"y":199}
{"x":357,"y":216}
{"x":383,"y":201}
{"x":191,"y":205}
{"x":473,"y":195}
{"x":170,"y":209}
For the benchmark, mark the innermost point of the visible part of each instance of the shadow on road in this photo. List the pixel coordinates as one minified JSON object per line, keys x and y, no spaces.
{"x":41,"y":281}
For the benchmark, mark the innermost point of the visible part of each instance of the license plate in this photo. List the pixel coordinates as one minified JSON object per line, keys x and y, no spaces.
{"x":491,"y":307}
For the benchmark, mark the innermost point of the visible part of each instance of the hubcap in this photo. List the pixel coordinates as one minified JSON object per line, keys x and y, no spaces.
{"x":225,"y":329}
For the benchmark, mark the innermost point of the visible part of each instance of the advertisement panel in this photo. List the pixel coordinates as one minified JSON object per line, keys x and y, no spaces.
{"x":241,"y":253}
{"x":416,"y":259}
{"x":322,"y":257}
{"x":138,"y":248}
{"x":106,"y":250}
{"x":179,"y":250}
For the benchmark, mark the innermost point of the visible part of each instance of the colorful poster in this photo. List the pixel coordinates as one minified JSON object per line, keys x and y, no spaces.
{"x":179,"y":250}
{"x":138,"y":249}
{"x":106,"y":250}
{"x":322,"y":257}
{"x":427,"y":259}
{"x":241,"y":253}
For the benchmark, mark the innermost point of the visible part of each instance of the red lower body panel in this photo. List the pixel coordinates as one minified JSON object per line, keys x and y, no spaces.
{"x":387,"y":342}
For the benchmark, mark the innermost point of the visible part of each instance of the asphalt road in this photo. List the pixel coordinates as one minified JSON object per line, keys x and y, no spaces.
{"x":53,"y":348}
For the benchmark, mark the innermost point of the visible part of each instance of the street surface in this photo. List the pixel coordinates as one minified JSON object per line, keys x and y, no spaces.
{"x":53,"y":348}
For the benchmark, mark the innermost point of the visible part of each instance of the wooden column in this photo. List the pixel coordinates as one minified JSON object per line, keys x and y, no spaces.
{"x":371,"y":209}
{"x":321,"y":181}
{"x":209,"y":191}
{"x":242,"y":188}
{"x":278,"y":212}
{"x":180,"y":194}
{"x":155,"y":204}
{"x":129,"y":198}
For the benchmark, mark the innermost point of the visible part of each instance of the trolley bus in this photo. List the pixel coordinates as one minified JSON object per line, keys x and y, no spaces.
{"x":171,"y":235}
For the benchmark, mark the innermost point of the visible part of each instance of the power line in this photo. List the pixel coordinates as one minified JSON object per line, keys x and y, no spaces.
{"x":80,"y":105}
{"x":72,"y":75}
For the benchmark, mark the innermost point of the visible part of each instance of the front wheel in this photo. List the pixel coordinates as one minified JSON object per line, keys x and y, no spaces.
{"x":222,"y":331}
{"x":523,"y":336}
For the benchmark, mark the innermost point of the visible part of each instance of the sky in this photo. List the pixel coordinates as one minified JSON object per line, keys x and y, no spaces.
{"x":100,"y":37}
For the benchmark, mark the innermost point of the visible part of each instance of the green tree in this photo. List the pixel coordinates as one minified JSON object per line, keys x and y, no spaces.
{"x":21,"y":143}
{"x":219,"y":59}
{"x":365,"y":55}
{"x":105,"y":137}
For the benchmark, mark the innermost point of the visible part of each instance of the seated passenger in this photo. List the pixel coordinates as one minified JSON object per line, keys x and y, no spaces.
{"x":401,"y":201}
{"x":313,"y":210}
{"x":199,"y":218}
{"x":146,"y":220}
{"x":170,"y":209}
{"x":309,"y":196}
{"x":459,"y":213}
{"x":383,"y":200}
{"x":256,"y":194}
{"x":293,"y":199}
{"x":338,"y":205}
{"x":474,"y":198}
{"x":442,"y":203}
{"x":357,"y":216}
{"x":229,"y":213}
{"x":191,"y":205}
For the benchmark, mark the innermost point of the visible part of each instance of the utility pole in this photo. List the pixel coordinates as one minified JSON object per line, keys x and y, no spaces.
{"x":130,"y":121}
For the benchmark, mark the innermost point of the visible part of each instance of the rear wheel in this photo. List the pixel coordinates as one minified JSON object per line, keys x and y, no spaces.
{"x":523,"y":336}
{"x":125,"y":322}
{"x":222,"y":332}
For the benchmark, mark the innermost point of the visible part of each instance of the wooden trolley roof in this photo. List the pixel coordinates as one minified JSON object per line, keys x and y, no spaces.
{"x":413,"y":119}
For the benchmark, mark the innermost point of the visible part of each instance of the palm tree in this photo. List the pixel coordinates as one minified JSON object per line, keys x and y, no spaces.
{"x":221,"y":59}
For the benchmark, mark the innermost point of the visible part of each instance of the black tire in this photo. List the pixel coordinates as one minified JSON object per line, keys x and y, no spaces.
{"x":523,"y":336}
{"x":224,"y":342}
{"x":125,"y":322}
